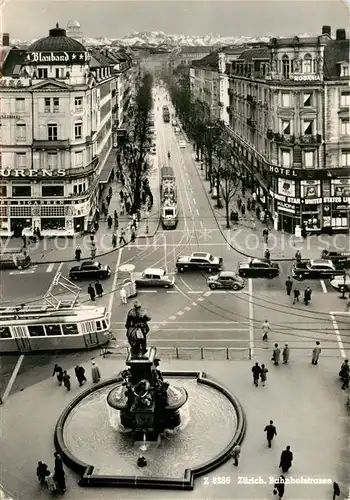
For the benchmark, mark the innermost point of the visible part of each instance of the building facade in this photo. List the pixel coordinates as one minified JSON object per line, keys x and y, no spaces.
{"x":57,"y":109}
{"x":288,"y":106}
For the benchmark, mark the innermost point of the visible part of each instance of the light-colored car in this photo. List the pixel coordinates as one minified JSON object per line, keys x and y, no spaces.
{"x":177,"y":130}
{"x":153,"y":149}
{"x":152,"y":277}
{"x":182,"y":144}
{"x":226,"y":280}
{"x":338,"y":283}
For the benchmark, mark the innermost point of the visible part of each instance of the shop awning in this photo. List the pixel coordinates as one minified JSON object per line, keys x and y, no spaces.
{"x":107,"y":168}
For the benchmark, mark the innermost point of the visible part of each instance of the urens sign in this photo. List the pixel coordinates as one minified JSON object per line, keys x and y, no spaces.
{"x":57,"y":57}
{"x":307,"y":78}
{"x":5,"y":116}
{"x":19,"y":172}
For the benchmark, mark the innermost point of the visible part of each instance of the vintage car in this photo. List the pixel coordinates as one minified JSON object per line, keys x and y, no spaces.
{"x":258,"y":268}
{"x":226,"y":280}
{"x":182,"y":144}
{"x":90,"y":270}
{"x":317,"y":269}
{"x":199,"y":261}
{"x":338,"y":258}
{"x":341,"y":283}
{"x":153,"y":278}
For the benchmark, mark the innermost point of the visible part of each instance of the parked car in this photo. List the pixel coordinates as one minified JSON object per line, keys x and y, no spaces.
{"x":153,"y":278}
{"x":14,"y":258}
{"x":256,"y":268}
{"x":177,"y":130}
{"x":199,"y":261}
{"x":340,"y":283}
{"x":90,"y":270}
{"x":338,"y":258}
{"x":318,"y":269}
{"x":182,"y":144}
{"x":226,"y":280}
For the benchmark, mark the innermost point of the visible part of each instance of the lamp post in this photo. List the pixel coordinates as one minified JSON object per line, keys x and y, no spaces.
{"x":147,"y":215}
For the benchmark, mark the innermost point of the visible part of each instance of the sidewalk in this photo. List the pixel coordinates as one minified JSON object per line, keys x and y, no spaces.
{"x":246,"y":236}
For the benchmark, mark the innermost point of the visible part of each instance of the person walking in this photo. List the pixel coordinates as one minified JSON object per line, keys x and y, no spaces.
{"x":298,"y":256}
{"x":296,"y":295}
{"x":58,"y":371}
{"x":133,"y":234}
{"x":289,"y":285}
{"x":336,"y":490}
{"x":115,"y":215}
{"x":99,"y":289}
{"x":239,"y":203}
{"x":243,"y":209}
{"x":59,"y":474}
{"x":271,"y":432}
{"x":235,"y":454}
{"x":51,"y":483}
{"x":78,"y":254}
{"x":66,"y":380}
{"x":249,"y":205}
{"x":265,"y":232}
{"x":265,"y":329}
{"x":121,"y":195}
{"x":276,"y":355}
{"x":307,"y":295}
{"x":93,"y":250}
{"x":123,"y":296}
{"x":122,"y":207}
{"x":256,"y":370}
{"x":80,"y":374}
{"x":346,"y":381}
{"x":114,"y":240}
{"x":286,"y":459}
{"x":109,"y":222}
{"x":41,"y":471}
{"x":263,"y":375}
{"x":91,"y":292}
{"x":285,"y":354}
{"x":316,"y":354}
{"x":267,"y":255}
{"x":95,"y":373}
{"x":279,"y":485}
{"x":122,"y":237}
{"x":258,"y":215}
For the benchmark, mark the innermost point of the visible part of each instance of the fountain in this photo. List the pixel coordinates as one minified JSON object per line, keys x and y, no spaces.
{"x":145,"y":414}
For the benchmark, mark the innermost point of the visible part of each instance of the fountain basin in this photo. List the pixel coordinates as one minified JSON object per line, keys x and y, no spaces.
{"x":177,"y":397}
{"x":83,"y":436}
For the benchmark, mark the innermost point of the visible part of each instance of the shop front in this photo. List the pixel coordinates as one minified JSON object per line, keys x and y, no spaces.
{"x":287,"y":216}
{"x":336,"y":214}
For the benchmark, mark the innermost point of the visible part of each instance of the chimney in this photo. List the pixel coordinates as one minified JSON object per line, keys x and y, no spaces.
{"x":5,"y":39}
{"x":326,"y":30}
{"x":340,"y":34}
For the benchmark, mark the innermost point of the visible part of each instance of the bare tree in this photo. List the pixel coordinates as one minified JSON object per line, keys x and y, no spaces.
{"x":227,"y":177}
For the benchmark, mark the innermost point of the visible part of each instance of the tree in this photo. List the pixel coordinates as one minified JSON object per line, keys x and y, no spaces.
{"x":227,"y":177}
{"x":136,"y":144}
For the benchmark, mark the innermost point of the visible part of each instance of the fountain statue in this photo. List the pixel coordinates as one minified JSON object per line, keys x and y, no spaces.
{"x":148,"y":405}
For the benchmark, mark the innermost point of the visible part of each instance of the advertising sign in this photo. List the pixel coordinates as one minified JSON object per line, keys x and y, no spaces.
{"x":57,"y":57}
{"x":286,"y":187}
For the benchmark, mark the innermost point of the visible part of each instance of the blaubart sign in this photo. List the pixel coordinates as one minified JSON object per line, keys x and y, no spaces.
{"x":57,"y":57}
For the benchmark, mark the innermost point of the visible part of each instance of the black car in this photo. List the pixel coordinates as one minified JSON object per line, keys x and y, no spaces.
{"x":90,"y":270}
{"x":256,"y":268}
{"x":318,"y":269}
{"x":199,"y":261}
{"x":338,"y":258}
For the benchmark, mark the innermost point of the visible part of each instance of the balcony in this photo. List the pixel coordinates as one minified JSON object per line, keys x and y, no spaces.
{"x":284,"y":139}
{"x":251,"y":123}
{"x":310,"y":139}
{"x":46,"y":144}
{"x":84,"y":170}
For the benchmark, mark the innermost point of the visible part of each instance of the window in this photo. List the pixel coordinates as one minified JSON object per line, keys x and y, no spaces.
{"x":21,"y":160}
{"x":286,"y":130}
{"x":345,"y":127}
{"x":307,"y":99}
{"x":5,"y":332}
{"x":78,"y":158}
{"x":20,"y":105}
{"x":78,"y":130}
{"x":42,"y":73}
{"x":36,"y":331}
{"x":285,"y":99}
{"x":98,"y":325}
{"x":285,"y":66}
{"x":21,"y":131}
{"x":3,"y":191}
{"x":286,"y":158}
{"x":307,"y":64}
{"x":308,"y":127}
{"x":55,"y":224}
{"x":345,"y":158}
{"x":52,"y":190}
{"x":52,"y":330}
{"x":78,"y":103}
{"x":47,"y":102}
{"x":21,"y":211}
{"x":309,"y":159}
{"x":52,"y":160}
{"x":70,"y":329}
{"x":22,"y":190}
{"x":345,"y":99}
{"x":56,"y":104}
{"x":52,"y":132}
{"x":53,"y":211}
{"x":345,"y":71}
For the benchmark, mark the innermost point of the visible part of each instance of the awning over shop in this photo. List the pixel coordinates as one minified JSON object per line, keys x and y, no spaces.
{"x":107,"y":168}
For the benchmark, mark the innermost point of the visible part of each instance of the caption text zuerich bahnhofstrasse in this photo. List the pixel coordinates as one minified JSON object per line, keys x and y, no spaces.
{"x":222,"y":480}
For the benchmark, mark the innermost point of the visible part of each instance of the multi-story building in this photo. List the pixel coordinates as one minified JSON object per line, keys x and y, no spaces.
{"x":185,"y":56}
{"x":57,"y":103}
{"x":288,"y":106}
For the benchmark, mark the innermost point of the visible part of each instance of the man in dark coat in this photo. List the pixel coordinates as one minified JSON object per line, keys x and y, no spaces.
{"x":336,"y":490}
{"x":256,"y":370}
{"x":60,"y":476}
{"x":41,"y":471}
{"x":270,"y":432}
{"x":286,"y":459}
{"x":66,"y":380}
{"x":289,"y":285}
{"x":78,"y":254}
{"x":99,"y":289}
{"x":109,"y":222}
{"x":279,"y":486}
{"x":91,"y":292}
{"x":59,"y":371}
{"x":80,"y":374}
{"x":307,"y":295}
{"x":296,"y":295}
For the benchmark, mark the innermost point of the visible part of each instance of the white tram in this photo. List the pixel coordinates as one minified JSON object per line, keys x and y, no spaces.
{"x":46,"y":328}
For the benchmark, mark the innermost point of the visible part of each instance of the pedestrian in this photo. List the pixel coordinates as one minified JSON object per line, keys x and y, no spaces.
{"x":235,"y":454}
{"x":127,"y":206}
{"x":92,"y":235}
{"x":99,"y":289}
{"x":298,"y":256}
{"x":122,"y":237}
{"x":316,"y":354}
{"x":110,"y":191}
{"x":249,"y":205}
{"x":114,"y":240}
{"x":109,"y":222}
{"x":258,"y":212}
{"x":116,"y":224}
{"x":286,"y":459}
{"x":267,"y":255}
{"x":289,"y":285}
{"x":108,"y":200}
{"x":303,"y":232}
{"x":96,"y":226}
{"x":278,"y":488}
{"x":256,"y":370}
{"x":78,"y":254}
{"x":93,"y":250}
{"x":103,"y":207}
{"x":239,"y":203}
{"x":91,"y":292}
{"x":307,"y":295}
{"x":59,"y":474}
{"x":346,"y":381}
{"x":95,"y":372}
{"x":276,"y":355}
{"x":265,"y":232}
{"x":133,"y":234}
{"x":121,"y":195}
{"x":59,"y":371}
{"x":41,"y":471}
{"x":296,"y":295}
{"x":263,"y":375}
{"x":243,"y":191}
{"x":80,"y":374}
{"x":122,"y":207}
{"x":271,"y":432}
{"x":336,"y":490}
{"x":253,"y":203}
{"x":51,"y":482}
{"x":66,"y":380}
{"x":123,"y":296}
{"x":265,"y":329}
{"x":285,"y":354}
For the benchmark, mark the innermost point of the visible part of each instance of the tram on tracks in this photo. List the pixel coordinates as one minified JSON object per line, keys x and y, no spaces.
{"x":56,"y":325}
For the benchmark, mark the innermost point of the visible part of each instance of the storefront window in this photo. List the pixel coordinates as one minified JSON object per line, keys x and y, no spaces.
{"x":3,"y":191}
{"x":340,"y":187}
{"x":52,"y":190}
{"x":22,"y":190}
{"x":286,"y":187}
{"x":58,"y":223}
{"x":310,"y":189}
{"x":326,"y":189}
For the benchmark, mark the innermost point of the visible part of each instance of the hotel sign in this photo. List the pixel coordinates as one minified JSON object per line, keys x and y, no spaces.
{"x":12,"y":172}
{"x":284,"y":172}
{"x":307,"y":78}
{"x":57,"y":57}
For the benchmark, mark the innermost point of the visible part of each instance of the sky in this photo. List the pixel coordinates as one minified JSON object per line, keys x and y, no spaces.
{"x":28,"y":19}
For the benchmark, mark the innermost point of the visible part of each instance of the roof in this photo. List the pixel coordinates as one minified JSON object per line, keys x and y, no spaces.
{"x":211,"y":61}
{"x":15,"y":57}
{"x":57,"y":41}
{"x":153,"y":270}
{"x":336,"y":51}
{"x":321,"y":262}
{"x":258,"y":53}
{"x":100,"y":58}
{"x":228,"y":273}
{"x":73,"y":24}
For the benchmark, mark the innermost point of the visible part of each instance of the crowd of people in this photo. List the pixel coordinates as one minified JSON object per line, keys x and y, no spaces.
{"x":64,"y":378}
{"x":55,"y":480}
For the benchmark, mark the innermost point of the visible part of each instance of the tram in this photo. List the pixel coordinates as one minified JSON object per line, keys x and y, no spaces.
{"x":45,"y":328}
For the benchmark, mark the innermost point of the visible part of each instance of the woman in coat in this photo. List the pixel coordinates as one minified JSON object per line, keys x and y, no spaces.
{"x":263,"y":375}
{"x":278,"y":488}
{"x":58,"y":371}
{"x":95,"y":373}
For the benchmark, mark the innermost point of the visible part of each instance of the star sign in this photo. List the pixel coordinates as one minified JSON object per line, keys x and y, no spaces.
{"x":74,"y":56}
{"x":81,"y":57}
{"x":205,"y":234}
